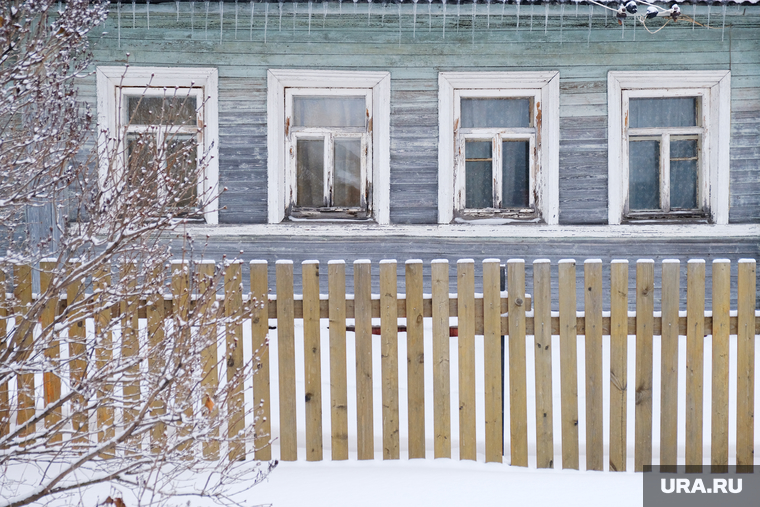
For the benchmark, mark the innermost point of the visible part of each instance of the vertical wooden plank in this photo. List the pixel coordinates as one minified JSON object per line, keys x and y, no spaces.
{"x":568,"y":352}
{"x":336,"y":281}
{"x":51,"y":381}
{"x":671,"y":274}
{"x":441,"y":369}
{"x":542,"y":336}
{"x":22,"y":295}
{"x":518,"y":397}
{"x":644,"y":353}
{"x":363,"y":318}
{"x":415,"y":362}
{"x":592,"y":274}
{"x":104,"y":353}
{"x":618,"y":364}
{"x":287,"y":360}
{"x":466,"y":332}
{"x":233,"y":311}
{"x":721,"y":327}
{"x":154,"y":310}
{"x":5,"y":405}
{"x":77,"y":355}
{"x":312,"y":360}
{"x":260,"y":347}
{"x":180,"y":288}
{"x":209,"y":358}
{"x":745,"y":352}
{"x":130,"y":344}
{"x":492,"y":366}
{"x":695,"y":335}
{"x":389,"y":359}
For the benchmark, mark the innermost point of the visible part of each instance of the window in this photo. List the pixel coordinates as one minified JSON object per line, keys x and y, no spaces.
{"x":498,"y":147}
{"x":328,"y":145}
{"x":169,"y":113}
{"x":668,"y":142}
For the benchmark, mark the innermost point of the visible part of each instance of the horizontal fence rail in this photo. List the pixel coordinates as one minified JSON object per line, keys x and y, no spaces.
{"x":524,"y":320}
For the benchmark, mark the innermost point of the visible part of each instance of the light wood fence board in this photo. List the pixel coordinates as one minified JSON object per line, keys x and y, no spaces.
{"x":260,"y":347}
{"x":618,"y":365}
{"x":644,"y":358}
{"x":568,"y":346}
{"x":543,"y":364}
{"x":441,"y":369}
{"x":594,"y":391}
{"x":415,"y":363}
{"x":745,"y":352}
{"x":104,"y":354}
{"x":466,"y":349}
{"x":695,"y":314}
{"x":287,"y":361}
{"x":389,"y":357}
{"x":130,"y":343}
{"x":671,"y":270}
{"x":22,"y":295}
{"x":312,"y":360}
{"x":51,"y":381}
{"x":492,"y":369}
{"x":721,"y":305}
{"x":363,"y":337}
{"x":518,"y":396}
{"x":336,"y":274}
{"x":209,"y":359}
{"x":156,"y":359}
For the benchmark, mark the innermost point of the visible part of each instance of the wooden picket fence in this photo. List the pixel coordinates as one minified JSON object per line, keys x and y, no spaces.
{"x":494,"y":314}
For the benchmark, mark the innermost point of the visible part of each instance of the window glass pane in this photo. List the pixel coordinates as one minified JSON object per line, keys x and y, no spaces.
{"x":515,"y":176}
{"x":683,"y":174}
{"x":478,"y":175}
{"x":673,"y":112}
{"x":644,"y":175}
{"x":496,"y":113}
{"x":310,"y":172}
{"x":181,"y":165}
{"x":142,"y":174}
{"x":347,"y":184}
{"x":144,"y":110}
{"x":329,"y":111}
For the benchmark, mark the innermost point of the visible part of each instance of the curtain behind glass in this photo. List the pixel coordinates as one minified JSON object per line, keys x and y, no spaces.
{"x":329,"y":111}
{"x":495,"y":113}
{"x":671,"y":112}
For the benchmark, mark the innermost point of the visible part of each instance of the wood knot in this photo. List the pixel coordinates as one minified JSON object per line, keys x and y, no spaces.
{"x":519,"y":302}
{"x":230,"y":361}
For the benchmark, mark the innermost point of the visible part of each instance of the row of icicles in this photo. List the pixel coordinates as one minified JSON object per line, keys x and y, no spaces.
{"x":624,"y":10}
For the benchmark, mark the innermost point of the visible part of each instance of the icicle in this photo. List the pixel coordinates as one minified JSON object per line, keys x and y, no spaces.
{"x":474,"y":11}
{"x":369,"y":11}
{"x":635,"y":18}
{"x":399,"y":24}
{"x":709,"y":8}
{"x":355,"y":3}
{"x":430,"y":15}
{"x":444,"y":18}
{"x":414,"y":19}
{"x":147,"y":12}
{"x":723,"y":28}
{"x":176,"y":3}
{"x":561,"y":22}
{"x":517,"y":26}
{"x":134,"y":25}
{"x":324,"y":12}
{"x":546,"y":18}
{"x":576,"y":7}
{"x":382,"y":15}
{"x":118,"y":16}
{"x":503,"y":3}
{"x":693,"y":14}
{"x":295,"y":9}
{"x":221,"y":21}
{"x":279,"y":4}
{"x":340,"y":7}
{"x":236,"y":18}
{"x":622,"y":33}
{"x":488,"y":14}
{"x":531,"y":17}
{"x":309,"y":18}
{"x":605,"y":17}
{"x":266,"y":20}
{"x":250,"y":33}
{"x":192,"y":19}
{"x":590,"y":13}
{"x":458,"y":4}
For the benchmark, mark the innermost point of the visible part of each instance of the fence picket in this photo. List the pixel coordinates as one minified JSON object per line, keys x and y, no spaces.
{"x":593,"y":333}
{"x":492,"y":367}
{"x":441,"y":373}
{"x":363,"y":336}
{"x":671,"y":275}
{"x":721,"y":305}
{"x":745,"y":352}
{"x":209,"y":358}
{"x":644,"y":355}
{"x":130,"y":343}
{"x":233,"y":310}
{"x":104,"y":354}
{"x":695,"y":323}
{"x":312,"y":360}
{"x":336,"y":276}
{"x":51,"y":382}
{"x":260,"y":347}
{"x":618,"y":365}
{"x":568,"y":347}
{"x":415,"y":358}
{"x":156,"y":360}
{"x":389,"y":357}
{"x":180,"y":287}
{"x":22,"y":295}
{"x":466,"y":348}
{"x":287,"y":361}
{"x":78,"y":356}
{"x":542,"y":335}
{"x":518,"y":402}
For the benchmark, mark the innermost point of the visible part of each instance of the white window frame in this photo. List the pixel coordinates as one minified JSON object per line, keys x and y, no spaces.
{"x":714,"y":90}
{"x":543,"y":89}
{"x":114,"y":83}
{"x":281,"y":162}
